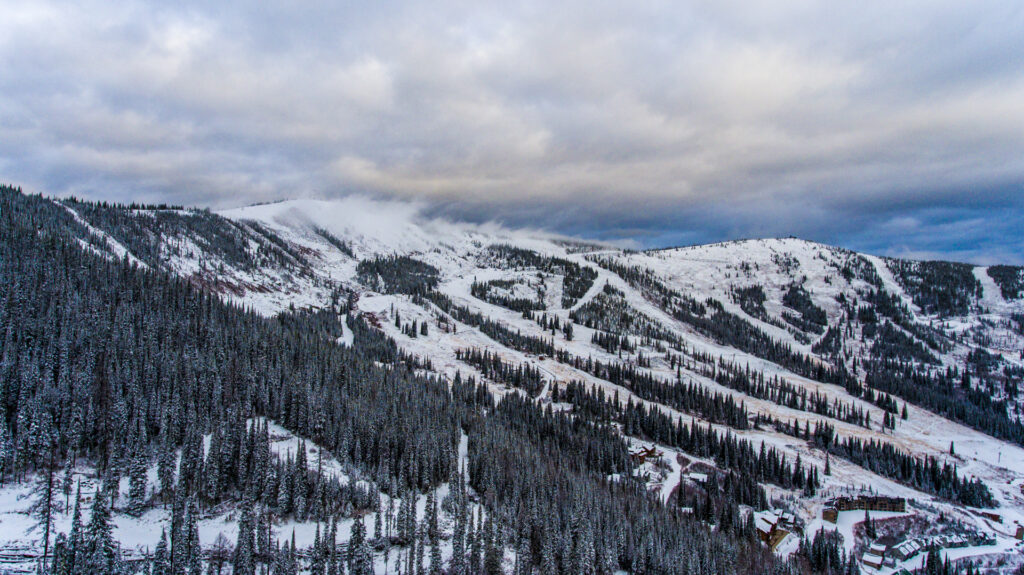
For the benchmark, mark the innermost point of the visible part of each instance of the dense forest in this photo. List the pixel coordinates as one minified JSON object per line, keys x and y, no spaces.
{"x":1010,"y":280}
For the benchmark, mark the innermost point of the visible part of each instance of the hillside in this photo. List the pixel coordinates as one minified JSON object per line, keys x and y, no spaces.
{"x":244,"y":386}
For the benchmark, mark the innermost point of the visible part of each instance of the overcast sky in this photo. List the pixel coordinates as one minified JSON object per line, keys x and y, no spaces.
{"x":891,"y":127}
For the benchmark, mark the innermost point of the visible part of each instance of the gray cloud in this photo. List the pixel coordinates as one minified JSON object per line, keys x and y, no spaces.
{"x":895,"y":128}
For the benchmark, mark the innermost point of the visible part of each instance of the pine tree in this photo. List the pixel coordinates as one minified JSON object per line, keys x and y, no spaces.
{"x":869,"y":526}
{"x":165,"y":469}
{"x":161,"y":564}
{"x":194,"y":555}
{"x":6,"y":449}
{"x":360,"y":560}
{"x":457,"y":565}
{"x":242,"y":562}
{"x":433,"y":532}
{"x":137,"y":480}
{"x":933,"y":562}
{"x":476,"y":545}
{"x":75,"y":548}
{"x":421,"y":541}
{"x":102,"y":556}
{"x":43,"y":509}
{"x":492,"y":549}
{"x":435,"y":558}
{"x":548,"y":561}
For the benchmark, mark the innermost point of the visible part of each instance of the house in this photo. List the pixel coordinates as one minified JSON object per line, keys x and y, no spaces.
{"x":641,"y":455}
{"x":877,"y":549}
{"x":765,"y":528}
{"x":872,"y":560}
{"x":905,"y":550}
{"x":956,"y":541}
{"x":1020,"y":532}
{"x":698,"y":477}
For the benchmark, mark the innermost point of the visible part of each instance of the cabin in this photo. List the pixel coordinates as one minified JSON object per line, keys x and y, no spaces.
{"x":1020,"y":532}
{"x":697,"y":477}
{"x":642,"y":455}
{"x":872,"y":560}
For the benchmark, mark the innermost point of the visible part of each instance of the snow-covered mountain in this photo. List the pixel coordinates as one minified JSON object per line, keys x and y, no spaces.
{"x":855,"y":367}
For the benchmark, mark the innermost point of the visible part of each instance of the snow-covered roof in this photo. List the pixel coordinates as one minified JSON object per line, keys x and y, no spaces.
{"x":907,"y":547}
{"x":872,"y":559}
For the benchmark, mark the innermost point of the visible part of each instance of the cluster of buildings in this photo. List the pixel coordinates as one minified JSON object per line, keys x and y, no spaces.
{"x":773,"y":526}
{"x":879,"y":554}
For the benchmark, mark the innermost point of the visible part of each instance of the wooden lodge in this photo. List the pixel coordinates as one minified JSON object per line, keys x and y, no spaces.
{"x":830,"y":514}
{"x":642,"y":455}
{"x":868,"y":503}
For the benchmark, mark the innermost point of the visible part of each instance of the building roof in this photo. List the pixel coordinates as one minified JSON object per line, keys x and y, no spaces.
{"x":872,"y":559}
{"x":907,"y":547}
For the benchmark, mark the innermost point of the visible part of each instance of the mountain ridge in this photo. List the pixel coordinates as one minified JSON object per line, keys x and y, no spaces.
{"x":799,"y":345}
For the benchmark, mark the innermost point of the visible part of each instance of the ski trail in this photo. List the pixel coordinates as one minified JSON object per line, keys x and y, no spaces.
{"x":118,"y":250}
{"x":991,"y":296}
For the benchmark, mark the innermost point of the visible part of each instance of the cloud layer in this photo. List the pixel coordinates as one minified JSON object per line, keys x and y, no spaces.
{"x":894,"y":127}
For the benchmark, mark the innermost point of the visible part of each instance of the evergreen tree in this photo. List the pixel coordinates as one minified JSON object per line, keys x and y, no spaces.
{"x":161,"y":564}
{"x":137,"y":480}
{"x":101,"y":551}
{"x":43,"y":509}
{"x":492,"y":549}
{"x":360,"y":557}
{"x":243,"y":562}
